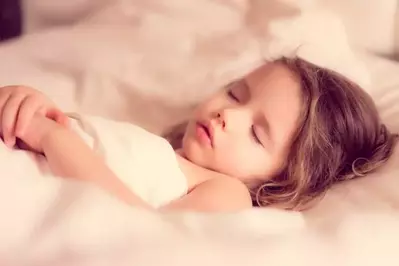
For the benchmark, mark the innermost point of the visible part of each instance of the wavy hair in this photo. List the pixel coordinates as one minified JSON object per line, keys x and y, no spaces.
{"x":340,"y":137}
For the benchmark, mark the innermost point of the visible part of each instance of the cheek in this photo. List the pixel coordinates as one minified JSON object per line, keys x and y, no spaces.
{"x":243,"y":160}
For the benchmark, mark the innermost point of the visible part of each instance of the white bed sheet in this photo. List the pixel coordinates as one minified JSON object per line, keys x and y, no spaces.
{"x":51,"y":222}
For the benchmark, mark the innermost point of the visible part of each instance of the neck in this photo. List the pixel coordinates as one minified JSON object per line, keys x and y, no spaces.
{"x":200,"y":174}
{"x":194,"y":173}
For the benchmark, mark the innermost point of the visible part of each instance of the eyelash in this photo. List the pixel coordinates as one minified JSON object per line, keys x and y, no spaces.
{"x":253,"y":133}
{"x":232,"y":96}
{"x":255,"y":137}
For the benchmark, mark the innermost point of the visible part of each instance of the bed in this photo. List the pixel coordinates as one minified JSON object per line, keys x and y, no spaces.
{"x":108,"y":62}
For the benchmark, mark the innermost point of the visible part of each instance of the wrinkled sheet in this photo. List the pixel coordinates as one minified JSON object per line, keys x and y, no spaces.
{"x":51,"y":221}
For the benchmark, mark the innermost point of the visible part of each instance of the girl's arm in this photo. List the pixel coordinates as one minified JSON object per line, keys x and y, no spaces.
{"x":29,"y":116}
{"x":69,"y":156}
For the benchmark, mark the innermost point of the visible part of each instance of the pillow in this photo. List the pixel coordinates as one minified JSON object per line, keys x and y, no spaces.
{"x":378,"y":191}
{"x":371,"y":26}
{"x":385,"y":87}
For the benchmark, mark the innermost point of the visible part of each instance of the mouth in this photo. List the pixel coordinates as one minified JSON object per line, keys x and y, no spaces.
{"x":204,"y":133}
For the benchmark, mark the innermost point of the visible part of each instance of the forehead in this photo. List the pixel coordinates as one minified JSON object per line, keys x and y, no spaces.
{"x":273,"y":77}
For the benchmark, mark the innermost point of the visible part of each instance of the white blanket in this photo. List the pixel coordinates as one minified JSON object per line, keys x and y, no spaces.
{"x":120,"y":72}
{"x":145,"y":162}
{"x":53,"y":222}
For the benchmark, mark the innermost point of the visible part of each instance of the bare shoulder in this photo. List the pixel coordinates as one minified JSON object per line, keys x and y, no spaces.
{"x":215,"y":195}
{"x":226,"y":186}
{"x":227,"y":194}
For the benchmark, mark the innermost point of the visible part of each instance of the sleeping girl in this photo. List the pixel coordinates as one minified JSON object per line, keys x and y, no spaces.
{"x":280,"y":136}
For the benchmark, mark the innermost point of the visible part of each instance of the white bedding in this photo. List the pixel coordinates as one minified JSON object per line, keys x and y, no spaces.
{"x":104,"y":70}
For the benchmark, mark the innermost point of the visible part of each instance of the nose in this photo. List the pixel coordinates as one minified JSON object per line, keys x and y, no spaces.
{"x":230,"y":118}
{"x":220,"y":119}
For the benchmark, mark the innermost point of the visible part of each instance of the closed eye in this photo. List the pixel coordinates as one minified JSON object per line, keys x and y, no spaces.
{"x":255,"y":136}
{"x":232,"y":96}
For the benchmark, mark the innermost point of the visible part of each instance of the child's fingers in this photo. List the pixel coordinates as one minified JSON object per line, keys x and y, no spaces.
{"x":3,"y":100}
{"x":9,"y":116}
{"x":63,"y":120}
{"x":29,"y":106}
{"x":58,"y":116}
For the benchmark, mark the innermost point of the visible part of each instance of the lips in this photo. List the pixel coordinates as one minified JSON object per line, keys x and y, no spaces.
{"x":206,"y":128}
{"x":205,"y":133}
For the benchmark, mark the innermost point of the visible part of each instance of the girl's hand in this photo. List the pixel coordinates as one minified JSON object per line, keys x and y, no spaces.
{"x":36,"y":132}
{"x":18,"y":106}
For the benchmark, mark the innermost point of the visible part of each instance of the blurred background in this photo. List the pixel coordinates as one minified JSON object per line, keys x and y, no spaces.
{"x":82,"y":53}
{"x":371,"y":23}
{"x":10,"y":19}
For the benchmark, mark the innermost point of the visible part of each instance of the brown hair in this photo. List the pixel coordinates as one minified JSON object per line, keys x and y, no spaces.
{"x":340,"y":137}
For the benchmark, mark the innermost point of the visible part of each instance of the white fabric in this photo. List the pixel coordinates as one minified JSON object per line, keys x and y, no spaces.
{"x":371,"y":25}
{"x":41,"y":14}
{"x":317,"y":36}
{"x":145,"y":162}
{"x":120,"y":72}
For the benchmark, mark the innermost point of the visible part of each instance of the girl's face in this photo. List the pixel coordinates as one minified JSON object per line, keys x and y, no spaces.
{"x":246,"y":129}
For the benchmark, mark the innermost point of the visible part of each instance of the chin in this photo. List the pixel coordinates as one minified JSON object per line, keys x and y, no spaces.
{"x":193,"y":152}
